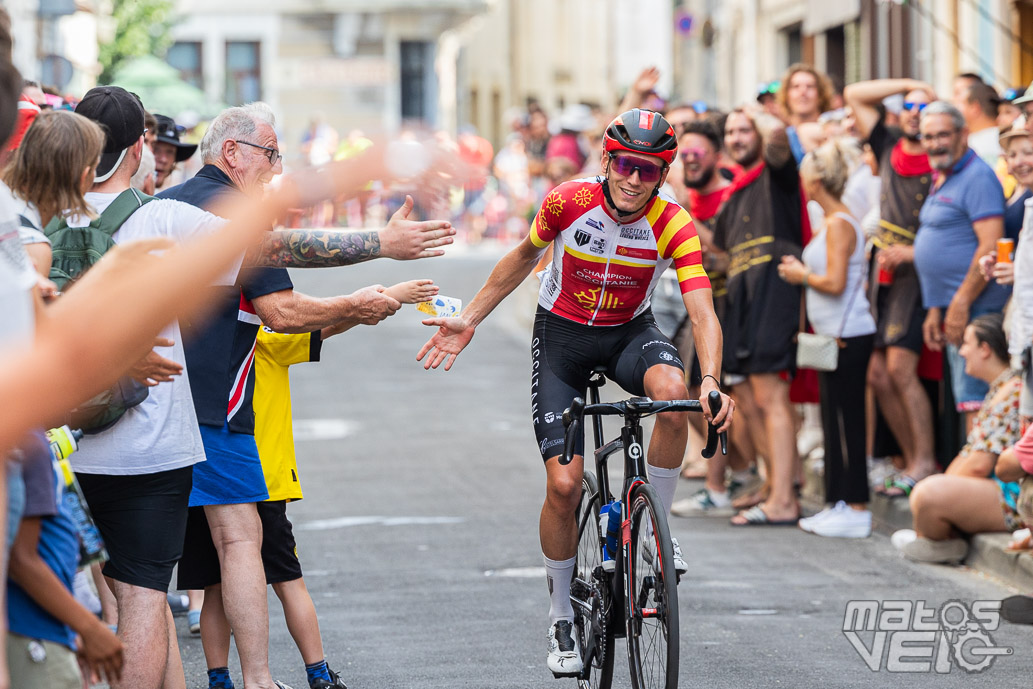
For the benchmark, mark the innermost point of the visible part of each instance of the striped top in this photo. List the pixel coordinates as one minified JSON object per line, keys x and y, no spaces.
{"x":604,"y":271}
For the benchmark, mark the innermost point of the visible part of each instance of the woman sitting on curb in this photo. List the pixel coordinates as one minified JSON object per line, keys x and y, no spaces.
{"x":970,"y":497}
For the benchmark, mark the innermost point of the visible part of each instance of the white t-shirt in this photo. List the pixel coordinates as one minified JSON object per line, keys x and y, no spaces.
{"x":161,"y":433}
{"x":17,"y":278}
{"x":987,"y":145}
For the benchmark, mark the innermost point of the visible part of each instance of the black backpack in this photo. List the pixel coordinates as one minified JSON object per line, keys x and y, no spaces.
{"x":75,"y":249}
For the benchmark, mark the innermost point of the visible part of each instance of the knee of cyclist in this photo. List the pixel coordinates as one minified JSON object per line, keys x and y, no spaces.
{"x":565,"y":490}
{"x":672,"y":388}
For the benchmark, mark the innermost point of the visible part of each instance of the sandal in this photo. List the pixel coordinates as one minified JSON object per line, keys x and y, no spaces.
{"x":756,"y":516}
{"x":750,"y":500}
{"x":897,"y":486}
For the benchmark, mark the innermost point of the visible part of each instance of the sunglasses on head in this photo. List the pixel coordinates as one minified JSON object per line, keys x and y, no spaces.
{"x":911,"y":105}
{"x":625,"y":166}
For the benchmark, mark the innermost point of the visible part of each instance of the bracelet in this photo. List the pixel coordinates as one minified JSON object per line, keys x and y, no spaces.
{"x":712,"y":378}
{"x":804,"y":281}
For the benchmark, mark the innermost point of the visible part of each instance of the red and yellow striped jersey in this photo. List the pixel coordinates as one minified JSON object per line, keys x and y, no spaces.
{"x":603,"y":271}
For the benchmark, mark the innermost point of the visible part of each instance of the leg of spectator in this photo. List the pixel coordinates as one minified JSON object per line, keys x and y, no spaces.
{"x":892,"y":402}
{"x":902,"y":365}
{"x":215,"y":629}
{"x":174,"y":676}
{"x":108,"y":605}
{"x":942,"y":506}
{"x":771,"y":394}
{"x":302,"y":622}
{"x":143,"y":630}
{"x":237,"y":533}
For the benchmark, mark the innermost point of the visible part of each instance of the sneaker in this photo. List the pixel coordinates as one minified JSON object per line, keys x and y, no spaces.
{"x":335,"y":682}
{"x":947,"y":551}
{"x":680,"y":566}
{"x":194,"y":621}
{"x":178,"y":602}
{"x":808,"y":523}
{"x":702,"y":503}
{"x":843,"y":522}
{"x":564,"y":654}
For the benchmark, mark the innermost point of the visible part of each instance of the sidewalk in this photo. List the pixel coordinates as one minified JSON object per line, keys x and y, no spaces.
{"x":986,"y":553}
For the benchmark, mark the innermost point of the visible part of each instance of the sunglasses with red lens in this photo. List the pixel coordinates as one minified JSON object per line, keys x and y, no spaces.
{"x":625,"y":166}
{"x":910,"y":105}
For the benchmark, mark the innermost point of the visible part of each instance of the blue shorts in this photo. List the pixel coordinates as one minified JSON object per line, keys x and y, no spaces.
{"x":968,"y":391}
{"x":232,"y":473}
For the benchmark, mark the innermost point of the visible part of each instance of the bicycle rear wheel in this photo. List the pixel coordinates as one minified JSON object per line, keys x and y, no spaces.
{"x":589,"y":593}
{"x":653,"y":594}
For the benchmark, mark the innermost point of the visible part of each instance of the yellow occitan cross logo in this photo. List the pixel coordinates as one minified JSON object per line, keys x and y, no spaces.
{"x":587,"y":298}
{"x":583,"y":198}
{"x":554,"y":203}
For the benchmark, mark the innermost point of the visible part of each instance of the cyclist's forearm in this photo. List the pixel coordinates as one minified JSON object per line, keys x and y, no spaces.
{"x":511,"y":270}
{"x":706,"y":332}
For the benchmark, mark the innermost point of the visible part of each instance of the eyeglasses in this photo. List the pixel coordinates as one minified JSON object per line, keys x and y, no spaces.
{"x":271,"y":153}
{"x":939,"y":136}
{"x":911,"y":105}
{"x":626,"y":166}
{"x":688,"y":153}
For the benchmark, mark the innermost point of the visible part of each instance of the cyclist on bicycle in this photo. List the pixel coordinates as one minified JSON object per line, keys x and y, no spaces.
{"x":616,"y":234}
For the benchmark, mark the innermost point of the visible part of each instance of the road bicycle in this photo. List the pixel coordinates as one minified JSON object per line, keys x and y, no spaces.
{"x":632,"y":592}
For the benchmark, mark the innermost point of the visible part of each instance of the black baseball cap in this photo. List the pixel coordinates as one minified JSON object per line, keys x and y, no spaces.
{"x":121,"y":115}
{"x":169,"y":132}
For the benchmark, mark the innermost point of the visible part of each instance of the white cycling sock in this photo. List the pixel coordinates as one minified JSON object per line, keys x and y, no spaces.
{"x":558,"y":574}
{"x":665,"y":481}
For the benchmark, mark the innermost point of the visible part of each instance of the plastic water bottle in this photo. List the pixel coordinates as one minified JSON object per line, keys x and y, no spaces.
{"x":613,"y":529}
{"x":604,"y":528}
{"x":63,"y":442}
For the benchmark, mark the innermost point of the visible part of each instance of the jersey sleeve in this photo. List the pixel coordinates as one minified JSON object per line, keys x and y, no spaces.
{"x":677,"y":240}
{"x":286,"y":349}
{"x":549,"y":221}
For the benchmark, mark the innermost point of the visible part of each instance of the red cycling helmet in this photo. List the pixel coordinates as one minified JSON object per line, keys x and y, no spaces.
{"x":641,"y":131}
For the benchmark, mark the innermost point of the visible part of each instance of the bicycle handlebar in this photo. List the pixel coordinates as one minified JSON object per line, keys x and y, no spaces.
{"x":639,"y":407}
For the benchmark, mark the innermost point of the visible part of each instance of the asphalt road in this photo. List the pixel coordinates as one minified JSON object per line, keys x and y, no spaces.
{"x":418,"y":533}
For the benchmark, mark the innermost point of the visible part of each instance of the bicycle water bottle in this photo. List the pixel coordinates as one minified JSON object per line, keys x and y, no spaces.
{"x":604,"y":526}
{"x":613,"y":529}
{"x":63,"y":442}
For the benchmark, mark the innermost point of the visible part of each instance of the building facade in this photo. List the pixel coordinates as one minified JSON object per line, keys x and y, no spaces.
{"x":368,"y":65}
{"x":56,"y":41}
{"x":735,"y":45}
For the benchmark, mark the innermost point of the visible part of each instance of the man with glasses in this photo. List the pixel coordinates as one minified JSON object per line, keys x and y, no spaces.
{"x":894,"y":291}
{"x":241,"y":155}
{"x":961,"y":220}
{"x":617,"y":234}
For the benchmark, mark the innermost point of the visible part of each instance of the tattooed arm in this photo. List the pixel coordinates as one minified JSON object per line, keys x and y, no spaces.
{"x":315,"y":248}
{"x":401,"y":239}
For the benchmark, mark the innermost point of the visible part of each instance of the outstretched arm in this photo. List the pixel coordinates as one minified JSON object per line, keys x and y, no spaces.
{"x":401,"y":239}
{"x":455,"y":333}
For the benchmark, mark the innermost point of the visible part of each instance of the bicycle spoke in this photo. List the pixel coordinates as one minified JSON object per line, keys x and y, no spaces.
{"x":653,"y":627}
{"x":588,"y":593}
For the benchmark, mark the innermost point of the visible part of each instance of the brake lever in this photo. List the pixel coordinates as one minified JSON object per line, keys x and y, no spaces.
{"x":572,"y":421}
{"x":714,"y":400}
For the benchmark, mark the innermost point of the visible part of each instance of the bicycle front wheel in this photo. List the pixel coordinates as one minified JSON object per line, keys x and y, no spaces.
{"x":652,"y":595}
{"x":589,"y":593}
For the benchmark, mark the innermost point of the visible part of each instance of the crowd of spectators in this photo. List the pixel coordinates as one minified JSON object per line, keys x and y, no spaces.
{"x":874,"y":218}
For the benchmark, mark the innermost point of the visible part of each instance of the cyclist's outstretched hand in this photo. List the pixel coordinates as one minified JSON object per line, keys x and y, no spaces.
{"x":452,"y":336}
